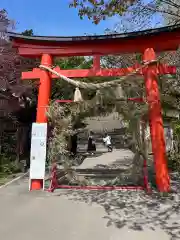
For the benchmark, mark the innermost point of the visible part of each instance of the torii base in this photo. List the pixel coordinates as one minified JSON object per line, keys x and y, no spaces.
{"x":36,"y":184}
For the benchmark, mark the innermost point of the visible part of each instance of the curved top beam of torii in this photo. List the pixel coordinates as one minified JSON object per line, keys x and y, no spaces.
{"x":160,"y":39}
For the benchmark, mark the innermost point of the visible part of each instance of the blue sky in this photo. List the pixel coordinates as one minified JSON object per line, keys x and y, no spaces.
{"x":54,"y":18}
{"x":51,"y":18}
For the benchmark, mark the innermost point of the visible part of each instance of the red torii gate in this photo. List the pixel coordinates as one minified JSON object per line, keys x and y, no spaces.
{"x":146,"y":42}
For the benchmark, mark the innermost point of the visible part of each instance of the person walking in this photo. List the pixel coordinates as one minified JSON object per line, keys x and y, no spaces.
{"x":73,"y":149}
{"x":107,"y":142}
{"x":91,"y":144}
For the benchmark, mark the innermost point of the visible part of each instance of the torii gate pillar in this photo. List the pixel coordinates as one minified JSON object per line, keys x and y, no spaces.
{"x":156,"y":122}
{"x":43,"y":102}
{"x":44,"y":90}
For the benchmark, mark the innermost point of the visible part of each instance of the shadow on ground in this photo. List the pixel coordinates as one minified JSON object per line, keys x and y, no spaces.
{"x":135,"y":210}
{"x":117,"y":164}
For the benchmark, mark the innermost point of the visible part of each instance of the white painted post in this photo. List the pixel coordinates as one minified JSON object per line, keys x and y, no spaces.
{"x":38,"y":152}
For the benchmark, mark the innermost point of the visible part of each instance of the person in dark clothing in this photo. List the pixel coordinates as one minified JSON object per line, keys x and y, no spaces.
{"x":91,"y":143}
{"x":74,"y":144}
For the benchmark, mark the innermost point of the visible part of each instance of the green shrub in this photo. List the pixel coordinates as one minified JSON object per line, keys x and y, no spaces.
{"x":8,"y":165}
{"x":174,"y":161}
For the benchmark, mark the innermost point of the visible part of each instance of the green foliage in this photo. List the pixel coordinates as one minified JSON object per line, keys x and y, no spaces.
{"x":73,"y":62}
{"x":98,"y":10}
{"x":174,"y":161}
{"x":174,"y":155}
{"x":8,"y":171}
{"x":10,"y":168}
{"x":8,"y":165}
{"x":176,"y":136}
{"x":60,"y":89}
{"x":28,"y":32}
{"x":176,"y":128}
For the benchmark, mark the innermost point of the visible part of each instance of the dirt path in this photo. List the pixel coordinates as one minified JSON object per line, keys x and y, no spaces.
{"x":80,"y":215}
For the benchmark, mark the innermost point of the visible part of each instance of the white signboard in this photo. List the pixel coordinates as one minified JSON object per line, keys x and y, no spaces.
{"x":38,"y":150}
